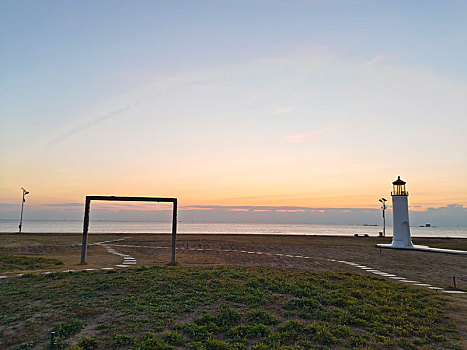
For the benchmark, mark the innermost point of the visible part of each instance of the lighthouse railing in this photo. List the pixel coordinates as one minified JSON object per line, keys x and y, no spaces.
{"x":400,"y":193}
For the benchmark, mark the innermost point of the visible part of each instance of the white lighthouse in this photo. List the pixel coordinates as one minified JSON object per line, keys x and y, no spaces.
{"x":401,"y":238}
{"x":400,"y":215}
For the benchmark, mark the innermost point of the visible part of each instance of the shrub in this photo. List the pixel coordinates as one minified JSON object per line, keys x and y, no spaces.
{"x":227,"y":318}
{"x":260,"y":316}
{"x":64,"y":330}
{"x":151,"y":342}
{"x":259,"y":330}
{"x":197,"y":333}
{"x":205,"y":319}
{"x":67,"y":329}
{"x":214,"y":344}
{"x":88,"y":343}
{"x":320,"y":332}
{"x":173,"y":338}
{"x":120,"y":340}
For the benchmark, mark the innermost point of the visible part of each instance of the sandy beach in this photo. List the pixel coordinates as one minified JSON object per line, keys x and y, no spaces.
{"x":434,"y":268}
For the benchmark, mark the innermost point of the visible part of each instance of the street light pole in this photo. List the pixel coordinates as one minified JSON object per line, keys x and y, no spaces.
{"x":384,"y":207}
{"x":22,"y":207}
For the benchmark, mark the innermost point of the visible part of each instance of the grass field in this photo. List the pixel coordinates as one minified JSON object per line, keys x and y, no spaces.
{"x":14,"y":263}
{"x":215,"y":300}
{"x":220,"y":308}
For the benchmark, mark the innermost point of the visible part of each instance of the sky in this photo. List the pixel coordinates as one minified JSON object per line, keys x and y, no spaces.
{"x":314,"y":106}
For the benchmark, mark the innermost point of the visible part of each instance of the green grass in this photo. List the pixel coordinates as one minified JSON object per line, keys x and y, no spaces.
{"x":220,"y":308}
{"x":12,"y":263}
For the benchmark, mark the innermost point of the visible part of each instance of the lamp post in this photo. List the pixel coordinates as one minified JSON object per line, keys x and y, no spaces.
{"x":22,"y":207}
{"x":384,"y":207}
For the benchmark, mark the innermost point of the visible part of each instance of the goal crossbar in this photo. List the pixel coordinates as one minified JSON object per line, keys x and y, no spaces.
{"x":126,"y":199}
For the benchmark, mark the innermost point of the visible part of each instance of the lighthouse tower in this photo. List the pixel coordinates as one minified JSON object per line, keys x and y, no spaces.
{"x":401,"y":230}
{"x":400,"y":213}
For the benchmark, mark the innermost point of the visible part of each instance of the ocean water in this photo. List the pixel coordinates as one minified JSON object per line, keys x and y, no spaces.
{"x":44,"y":226}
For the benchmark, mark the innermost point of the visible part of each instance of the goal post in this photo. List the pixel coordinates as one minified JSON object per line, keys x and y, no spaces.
{"x":87,"y":209}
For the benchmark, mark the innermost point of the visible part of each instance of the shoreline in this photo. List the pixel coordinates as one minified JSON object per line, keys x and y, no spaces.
{"x":251,"y":235}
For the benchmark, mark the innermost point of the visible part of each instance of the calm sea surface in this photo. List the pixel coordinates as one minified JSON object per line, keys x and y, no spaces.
{"x":221,"y":228}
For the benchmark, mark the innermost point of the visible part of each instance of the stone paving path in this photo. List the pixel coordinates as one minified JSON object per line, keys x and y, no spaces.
{"x":129,"y":260}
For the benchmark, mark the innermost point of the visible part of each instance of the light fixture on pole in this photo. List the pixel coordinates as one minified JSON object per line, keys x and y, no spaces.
{"x":22,"y":207}
{"x":384,"y":207}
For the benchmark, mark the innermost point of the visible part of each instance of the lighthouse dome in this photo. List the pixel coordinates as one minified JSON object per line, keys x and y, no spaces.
{"x":399,"y":181}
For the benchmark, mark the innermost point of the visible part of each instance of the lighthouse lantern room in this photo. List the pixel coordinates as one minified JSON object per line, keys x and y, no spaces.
{"x":398,"y":188}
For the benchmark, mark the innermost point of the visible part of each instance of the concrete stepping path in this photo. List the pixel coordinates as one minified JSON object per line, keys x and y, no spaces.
{"x":401,"y":279}
{"x":127,"y":259}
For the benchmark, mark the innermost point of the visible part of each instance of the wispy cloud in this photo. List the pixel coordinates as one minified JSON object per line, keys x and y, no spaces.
{"x":453,"y":208}
{"x":266,"y":208}
{"x":283,"y":110}
{"x":142,"y":96}
{"x":8,"y":205}
{"x":194,"y":207}
{"x":64,"y":205}
{"x":306,"y":136}
{"x":450,"y":215}
{"x":87,"y":125}
{"x":379,"y":58}
{"x":290,"y":210}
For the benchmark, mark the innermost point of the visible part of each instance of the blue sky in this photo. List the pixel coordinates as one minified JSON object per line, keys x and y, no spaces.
{"x":67,"y":44}
{"x":300,"y":103}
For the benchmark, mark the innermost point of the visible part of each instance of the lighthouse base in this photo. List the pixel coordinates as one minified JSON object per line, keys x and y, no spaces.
{"x":423,"y":248}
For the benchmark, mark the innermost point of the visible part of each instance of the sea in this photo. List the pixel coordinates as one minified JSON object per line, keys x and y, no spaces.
{"x":76,"y":226}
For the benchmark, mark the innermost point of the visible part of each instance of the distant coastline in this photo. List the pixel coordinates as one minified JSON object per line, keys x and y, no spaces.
{"x":104,"y":226}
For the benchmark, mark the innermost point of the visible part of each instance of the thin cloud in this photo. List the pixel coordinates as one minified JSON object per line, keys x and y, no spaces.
{"x":7,"y":205}
{"x":64,"y":205}
{"x":194,"y":208}
{"x":290,"y":210}
{"x":85,"y":126}
{"x":263,"y":208}
{"x":453,"y":208}
{"x":174,"y":84}
{"x":283,"y":110}
{"x":306,"y":136}
{"x":378,"y":59}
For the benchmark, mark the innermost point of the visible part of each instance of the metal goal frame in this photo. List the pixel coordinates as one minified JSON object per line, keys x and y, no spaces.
{"x":87,"y":209}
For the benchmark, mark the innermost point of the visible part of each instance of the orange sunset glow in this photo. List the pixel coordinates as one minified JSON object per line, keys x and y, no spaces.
{"x":312,"y":124}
